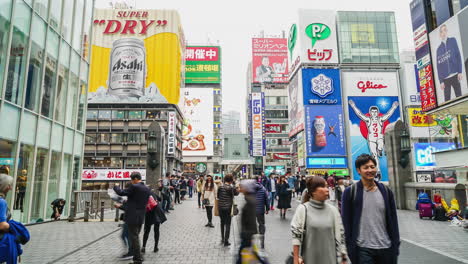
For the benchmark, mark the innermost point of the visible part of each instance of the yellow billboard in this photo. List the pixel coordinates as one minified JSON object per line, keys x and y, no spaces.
{"x":136,"y":56}
{"x":362,"y":33}
{"x":419,"y":119}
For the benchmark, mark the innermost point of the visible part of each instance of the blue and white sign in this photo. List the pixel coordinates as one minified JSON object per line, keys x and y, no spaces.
{"x":327,"y":162}
{"x":257,"y":125}
{"x":321,"y":86}
{"x":424,"y":154}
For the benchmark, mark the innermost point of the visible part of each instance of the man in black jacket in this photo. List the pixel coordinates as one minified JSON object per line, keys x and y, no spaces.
{"x":248,"y":216}
{"x":138,"y":195}
{"x":226,"y":194}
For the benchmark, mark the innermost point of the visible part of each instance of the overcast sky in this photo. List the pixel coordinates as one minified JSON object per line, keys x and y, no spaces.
{"x":234,"y":23}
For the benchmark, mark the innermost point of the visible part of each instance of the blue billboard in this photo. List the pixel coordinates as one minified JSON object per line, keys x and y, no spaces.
{"x":325,"y":132}
{"x":326,"y":162}
{"x":368,"y":117}
{"x":423,"y":153}
{"x":321,"y":86}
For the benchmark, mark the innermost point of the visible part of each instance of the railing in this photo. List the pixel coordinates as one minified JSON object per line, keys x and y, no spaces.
{"x":91,"y":204}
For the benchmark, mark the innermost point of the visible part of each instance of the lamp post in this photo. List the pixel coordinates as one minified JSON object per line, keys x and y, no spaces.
{"x":405,"y":148}
{"x":155,"y":149}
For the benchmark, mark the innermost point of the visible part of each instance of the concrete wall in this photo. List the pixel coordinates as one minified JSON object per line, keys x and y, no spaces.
{"x":446,"y":190}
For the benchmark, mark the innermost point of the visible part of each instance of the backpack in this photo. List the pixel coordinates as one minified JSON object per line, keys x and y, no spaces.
{"x":439,"y":214}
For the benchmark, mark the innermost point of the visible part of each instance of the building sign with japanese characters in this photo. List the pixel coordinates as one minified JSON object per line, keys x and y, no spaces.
{"x":203,"y":64}
{"x":269,"y":60}
{"x":110,"y":175}
{"x":171,"y":131}
{"x":417,"y":118}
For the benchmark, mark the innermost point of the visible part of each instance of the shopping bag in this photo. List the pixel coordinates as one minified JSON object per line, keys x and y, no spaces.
{"x":216,"y":209}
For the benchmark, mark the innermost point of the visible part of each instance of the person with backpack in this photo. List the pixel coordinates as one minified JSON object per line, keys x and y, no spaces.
{"x":317,"y":230}
{"x":154,"y":217}
{"x":226,"y":194}
{"x":370,"y":217}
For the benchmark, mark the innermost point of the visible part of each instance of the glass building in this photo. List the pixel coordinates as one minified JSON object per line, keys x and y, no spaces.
{"x":44,"y":61}
{"x":367,"y":37}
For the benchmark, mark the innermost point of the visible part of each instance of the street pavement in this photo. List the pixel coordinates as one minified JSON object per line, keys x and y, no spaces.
{"x":184,"y":239}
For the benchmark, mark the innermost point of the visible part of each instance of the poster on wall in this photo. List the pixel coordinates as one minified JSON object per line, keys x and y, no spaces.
{"x":449,"y":60}
{"x":197,"y":130}
{"x":203,"y":64}
{"x":321,"y":86}
{"x":270,"y":60}
{"x":440,"y":125}
{"x":128,"y":63}
{"x":295,"y":106}
{"x":325,"y":133}
{"x":372,"y":99}
{"x":257,"y":125}
{"x":424,"y":154}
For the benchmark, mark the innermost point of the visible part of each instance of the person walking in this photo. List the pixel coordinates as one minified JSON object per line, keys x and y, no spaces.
{"x":262,"y":207}
{"x":176,"y":186}
{"x":291,"y":183}
{"x":317,"y":230}
{"x":284,"y":196}
{"x":272,"y":191}
{"x":183,"y":187}
{"x":226,"y":194}
{"x":200,"y":184}
{"x":190,"y":187}
{"x":138,"y":195}
{"x":154,"y":217}
{"x":339,"y":189}
{"x":302,"y":185}
{"x":124,"y":235}
{"x":248,"y":221}
{"x":370,"y":217}
{"x":165,"y":189}
{"x":209,"y":194}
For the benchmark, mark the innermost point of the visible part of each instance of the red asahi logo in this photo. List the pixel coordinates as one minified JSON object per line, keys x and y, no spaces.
{"x":369,"y":85}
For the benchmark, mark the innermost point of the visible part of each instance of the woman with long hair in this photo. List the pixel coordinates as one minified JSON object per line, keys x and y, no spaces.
{"x":317,"y":230}
{"x":284,"y":196}
{"x":154,"y":217}
{"x":209,"y":194}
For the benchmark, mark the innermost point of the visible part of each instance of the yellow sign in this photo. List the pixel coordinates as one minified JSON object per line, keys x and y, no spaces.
{"x":362,"y":33}
{"x":418,"y":119}
{"x":136,"y":56}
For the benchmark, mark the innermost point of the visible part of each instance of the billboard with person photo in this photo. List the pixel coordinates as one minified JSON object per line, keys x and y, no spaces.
{"x":270,"y":60}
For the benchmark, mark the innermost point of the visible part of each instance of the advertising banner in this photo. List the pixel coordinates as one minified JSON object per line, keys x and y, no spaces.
{"x":316,"y":33}
{"x":269,"y":60}
{"x":321,"y":86}
{"x":372,"y":99}
{"x":326,"y":162}
{"x":136,"y":56}
{"x":281,"y":156}
{"x":325,"y":133}
{"x":432,"y":126}
{"x":300,"y":149}
{"x":424,"y":63}
{"x":423,"y":154}
{"x":171,"y":133}
{"x":257,"y":133}
{"x":279,"y":170}
{"x":295,"y":106}
{"x":272,"y":128}
{"x":197,"y":129}
{"x":450,"y":53}
{"x":110,"y":175}
{"x":203,"y":64}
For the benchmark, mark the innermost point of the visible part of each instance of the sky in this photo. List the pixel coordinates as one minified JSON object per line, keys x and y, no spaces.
{"x":232,"y":24}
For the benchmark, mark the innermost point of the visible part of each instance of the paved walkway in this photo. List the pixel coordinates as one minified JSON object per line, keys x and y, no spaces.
{"x":184,"y":239}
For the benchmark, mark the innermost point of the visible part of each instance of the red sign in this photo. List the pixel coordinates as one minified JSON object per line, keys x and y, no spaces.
{"x":281,"y":156}
{"x":317,"y":55}
{"x":109,"y":175}
{"x":363,"y":86}
{"x":272,"y":128}
{"x":270,"y":60}
{"x":427,"y":90}
{"x":202,"y":54}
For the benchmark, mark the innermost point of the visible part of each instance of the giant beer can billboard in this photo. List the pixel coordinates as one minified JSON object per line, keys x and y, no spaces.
{"x":136,"y":56}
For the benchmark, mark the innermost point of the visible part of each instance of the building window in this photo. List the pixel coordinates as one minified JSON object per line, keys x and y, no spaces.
{"x":48,"y":93}
{"x":39,"y":186}
{"x":116,"y":138}
{"x":5,"y":13}
{"x":62,"y":85}
{"x":55,"y":13}
{"x":118,"y":114}
{"x":132,"y":163}
{"x":23,"y":181}
{"x":104,"y":114}
{"x":134,"y":115}
{"x":133,"y":138}
{"x":92,"y":114}
{"x":115,"y":163}
{"x":91,"y":138}
{"x":152,"y":114}
{"x":103,"y":138}
{"x":53,"y":181}
{"x":276,"y":114}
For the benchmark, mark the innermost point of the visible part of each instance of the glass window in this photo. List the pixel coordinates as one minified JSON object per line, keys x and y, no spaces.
{"x":41,"y":6}
{"x":103,"y":138}
{"x":115,"y":163}
{"x":5,"y":13}
{"x":18,"y":52}
{"x":88,"y":18}
{"x":81,"y":105}
{"x":134,"y":115}
{"x":65,"y":182}
{"x":7,"y":155}
{"x":55,"y":13}
{"x":133,"y":138}
{"x":88,"y":162}
{"x":62,"y":85}
{"x":132,"y":163}
{"x":23,"y":182}
{"x":67,"y":20}
{"x":48,"y":94}
{"x":76,"y":175}
{"x":39,"y":186}
{"x":118,"y":114}
{"x":77,"y":26}
{"x":92,"y":114}
{"x":33,"y":84}
{"x":72,"y":100}
{"x":143,"y":137}
{"x":91,"y":138}
{"x":105,"y":114}
{"x":116,"y":138}
{"x":53,"y":181}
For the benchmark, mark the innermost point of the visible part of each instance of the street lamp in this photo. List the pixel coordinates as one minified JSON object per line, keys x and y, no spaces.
{"x":405,"y":148}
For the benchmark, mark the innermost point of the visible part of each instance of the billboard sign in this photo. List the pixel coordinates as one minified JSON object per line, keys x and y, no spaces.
{"x":128,"y":63}
{"x":171,"y":133}
{"x":424,"y":154}
{"x":300,"y":149}
{"x":197,"y":129}
{"x":321,"y":86}
{"x":272,"y":128}
{"x":437,"y":125}
{"x":280,"y":170}
{"x":317,"y":36}
{"x":325,"y":132}
{"x":450,"y":53}
{"x":295,"y":106}
{"x":270,"y":60}
{"x":372,"y":99}
{"x":257,"y":125}
{"x":326,"y":162}
{"x":110,"y":175}
{"x":203,"y":64}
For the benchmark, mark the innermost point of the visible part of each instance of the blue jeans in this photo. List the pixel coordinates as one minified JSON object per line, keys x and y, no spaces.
{"x":272,"y":199}
{"x":166,"y":203}
{"x":124,"y":236}
{"x":190,"y":191}
{"x":376,"y":256}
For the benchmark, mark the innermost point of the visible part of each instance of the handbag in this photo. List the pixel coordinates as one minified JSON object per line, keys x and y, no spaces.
{"x":151,"y":204}
{"x":234,"y":209}
{"x":216,"y":209}
{"x":290,"y":258}
{"x":206,"y":202}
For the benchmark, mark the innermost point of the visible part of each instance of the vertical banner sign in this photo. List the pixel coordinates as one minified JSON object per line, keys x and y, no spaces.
{"x":295,"y":106}
{"x":203,"y":64}
{"x":136,"y":56}
{"x":258,"y":142}
{"x":269,"y":60}
{"x":197,"y":129}
{"x":372,"y":98}
{"x":171,"y":132}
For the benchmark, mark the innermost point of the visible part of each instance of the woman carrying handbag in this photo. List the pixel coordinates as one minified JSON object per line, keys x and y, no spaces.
{"x":209,"y":193}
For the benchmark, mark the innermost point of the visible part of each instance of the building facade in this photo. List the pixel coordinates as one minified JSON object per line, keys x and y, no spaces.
{"x":231,"y":122}
{"x":43,"y":89}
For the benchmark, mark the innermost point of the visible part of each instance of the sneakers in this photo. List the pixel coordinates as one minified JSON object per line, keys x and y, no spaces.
{"x":156,"y":249}
{"x":126,"y":257}
{"x":211,"y":225}
{"x":227,"y":244}
{"x":272,"y":208}
{"x":143,"y":250}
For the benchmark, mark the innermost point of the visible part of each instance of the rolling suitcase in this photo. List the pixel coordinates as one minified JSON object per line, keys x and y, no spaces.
{"x":425,"y":210}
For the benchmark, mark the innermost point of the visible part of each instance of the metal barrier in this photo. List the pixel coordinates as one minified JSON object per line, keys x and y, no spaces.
{"x":91,"y":205}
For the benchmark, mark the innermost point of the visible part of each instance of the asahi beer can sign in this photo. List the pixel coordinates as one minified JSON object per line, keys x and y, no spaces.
{"x":127,"y":71}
